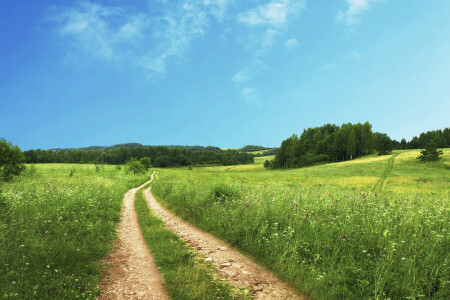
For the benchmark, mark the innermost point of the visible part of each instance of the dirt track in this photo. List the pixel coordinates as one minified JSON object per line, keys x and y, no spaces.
{"x":133,"y":274}
{"x":231,"y":265}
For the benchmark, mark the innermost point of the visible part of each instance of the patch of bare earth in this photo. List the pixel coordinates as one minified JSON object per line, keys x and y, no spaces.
{"x":231,"y":265}
{"x":132,"y":273}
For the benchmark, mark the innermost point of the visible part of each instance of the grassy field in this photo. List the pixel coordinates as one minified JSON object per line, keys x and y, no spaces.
{"x":374,"y":227}
{"x":371,"y":228}
{"x":56,"y":228}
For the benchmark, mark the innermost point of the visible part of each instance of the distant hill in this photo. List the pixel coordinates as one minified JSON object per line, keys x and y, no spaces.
{"x":252,"y":148}
{"x":134,"y":145}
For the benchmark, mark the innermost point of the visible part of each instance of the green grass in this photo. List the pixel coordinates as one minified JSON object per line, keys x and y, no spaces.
{"x":185,"y":272}
{"x":55,"y":229}
{"x":323,"y":229}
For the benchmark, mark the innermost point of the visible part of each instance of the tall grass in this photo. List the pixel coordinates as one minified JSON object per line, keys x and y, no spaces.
{"x":185,"y":272}
{"x":55,"y":229}
{"x":331,"y":243}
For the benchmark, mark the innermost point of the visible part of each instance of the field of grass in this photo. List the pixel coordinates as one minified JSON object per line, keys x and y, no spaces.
{"x":55,"y":229}
{"x":333,"y":230}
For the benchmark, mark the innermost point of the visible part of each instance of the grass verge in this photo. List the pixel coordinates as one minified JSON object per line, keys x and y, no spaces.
{"x":185,"y":272}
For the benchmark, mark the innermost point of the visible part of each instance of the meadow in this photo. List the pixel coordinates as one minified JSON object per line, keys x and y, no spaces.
{"x":370,"y":228}
{"x":57,"y":223}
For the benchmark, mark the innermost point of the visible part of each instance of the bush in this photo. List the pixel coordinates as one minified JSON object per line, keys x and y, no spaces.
{"x":431,"y":153}
{"x":11,"y":161}
{"x":146,"y":161}
{"x":135,"y":166}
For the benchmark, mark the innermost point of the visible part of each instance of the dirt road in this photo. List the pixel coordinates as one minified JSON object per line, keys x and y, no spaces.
{"x":133,"y":274}
{"x":231,"y":265}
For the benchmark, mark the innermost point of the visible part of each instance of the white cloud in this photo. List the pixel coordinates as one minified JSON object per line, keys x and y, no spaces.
{"x":249,"y":95}
{"x":241,"y":76}
{"x":291,"y":44}
{"x":269,"y":37}
{"x":325,"y":68}
{"x":355,"y":55}
{"x":274,"y":13}
{"x":354,"y":9}
{"x":144,"y":39}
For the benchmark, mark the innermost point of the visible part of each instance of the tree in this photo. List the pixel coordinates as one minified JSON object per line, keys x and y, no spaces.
{"x":146,"y":161}
{"x":11,"y":160}
{"x":383,"y":144}
{"x":366,"y":138}
{"x":351,"y":144}
{"x":403,"y":144}
{"x":268,"y":164}
{"x":431,"y":153}
{"x":135,"y":166}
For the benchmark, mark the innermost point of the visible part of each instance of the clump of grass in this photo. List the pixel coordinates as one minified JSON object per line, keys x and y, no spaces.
{"x":330,"y":243}
{"x":55,"y":230}
{"x":185,"y":272}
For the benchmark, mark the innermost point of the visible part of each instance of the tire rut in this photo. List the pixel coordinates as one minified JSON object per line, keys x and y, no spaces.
{"x":133,"y":273}
{"x":379,"y":185}
{"x":231,"y":265}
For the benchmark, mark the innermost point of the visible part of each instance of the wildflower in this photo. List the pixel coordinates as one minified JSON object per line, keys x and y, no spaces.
{"x":326,"y":245}
{"x":342,"y":236}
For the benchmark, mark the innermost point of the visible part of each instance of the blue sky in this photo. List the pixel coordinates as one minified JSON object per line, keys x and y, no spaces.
{"x":219,"y":72}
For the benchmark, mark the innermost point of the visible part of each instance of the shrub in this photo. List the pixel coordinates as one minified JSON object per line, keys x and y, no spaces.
{"x":11,"y":161}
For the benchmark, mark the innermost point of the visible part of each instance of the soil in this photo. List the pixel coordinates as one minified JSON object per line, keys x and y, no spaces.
{"x":231,"y":265}
{"x":132,"y":273}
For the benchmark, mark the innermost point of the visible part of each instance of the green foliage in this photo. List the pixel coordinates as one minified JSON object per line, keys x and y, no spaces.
{"x":268,"y":164}
{"x":431,"y":153}
{"x":252,"y":148}
{"x":161,"y":156}
{"x":186,"y":274}
{"x":11,"y":161}
{"x":383,"y":144}
{"x":55,"y":231}
{"x":441,"y":139}
{"x":325,"y":144}
{"x":146,"y":162}
{"x":135,"y":166}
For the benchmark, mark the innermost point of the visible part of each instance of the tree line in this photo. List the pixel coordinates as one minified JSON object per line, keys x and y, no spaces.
{"x":333,"y":143}
{"x":160,"y":156}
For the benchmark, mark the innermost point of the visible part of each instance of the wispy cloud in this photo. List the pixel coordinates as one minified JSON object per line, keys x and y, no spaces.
{"x":143,"y":38}
{"x":325,"y":68}
{"x":274,"y":13}
{"x":267,"y":21}
{"x":249,"y":95}
{"x":355,"y":55}
{"x":355,"y":8}
{"x":291,"y":44}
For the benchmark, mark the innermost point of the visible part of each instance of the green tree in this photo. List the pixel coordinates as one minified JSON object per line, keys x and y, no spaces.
{"x":383,"y":144}
{"x":11,"y":160}
{"x":135,"y":166}
{"x":403,"y":144}
{"x":431,"y":153}
{"x":268,"y":164}
{"x":366,"y":138}
{"x":351,"y":143}
{"x":146,"y":161}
